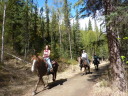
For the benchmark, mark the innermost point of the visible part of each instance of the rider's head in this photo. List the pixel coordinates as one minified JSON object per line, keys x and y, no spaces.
{"x":46,"y":47}
{"x":83,"y":51}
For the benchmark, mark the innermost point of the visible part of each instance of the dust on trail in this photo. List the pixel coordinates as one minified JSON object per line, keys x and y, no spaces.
{"x":70,"y":83}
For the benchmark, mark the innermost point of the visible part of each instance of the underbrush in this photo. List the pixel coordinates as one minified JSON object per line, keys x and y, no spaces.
{"x":65,"y":63}
{"x":13,"y":75}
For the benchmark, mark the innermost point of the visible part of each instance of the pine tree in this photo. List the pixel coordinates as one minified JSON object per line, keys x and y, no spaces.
{"x":67,"y":25}
{"x":89,"y":25}
{"x":47,"y":21}
{"x":76,"y":35}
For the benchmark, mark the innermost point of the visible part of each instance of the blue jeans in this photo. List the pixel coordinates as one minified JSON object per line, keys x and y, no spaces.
{"x":49,"y":63}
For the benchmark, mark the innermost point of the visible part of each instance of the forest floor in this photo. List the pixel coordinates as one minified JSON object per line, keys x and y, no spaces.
{"x":71,"y":82}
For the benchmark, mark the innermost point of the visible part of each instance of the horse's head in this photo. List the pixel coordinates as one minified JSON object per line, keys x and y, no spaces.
{"x":34,"y":60}
{"x":79,"y":59}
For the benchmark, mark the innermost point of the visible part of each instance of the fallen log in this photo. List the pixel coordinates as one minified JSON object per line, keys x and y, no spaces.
{"x":17,"y":58}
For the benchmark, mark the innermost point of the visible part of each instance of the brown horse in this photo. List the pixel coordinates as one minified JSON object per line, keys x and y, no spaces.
{"x":40,"y":66}
{"x":84,"y":63}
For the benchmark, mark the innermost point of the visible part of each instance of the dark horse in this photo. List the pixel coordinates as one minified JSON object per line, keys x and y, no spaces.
{"x":96,"y":64}
{"x":84,"y":63}
{"x":40,"y":66}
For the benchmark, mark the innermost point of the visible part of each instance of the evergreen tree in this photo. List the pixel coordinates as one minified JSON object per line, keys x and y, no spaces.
{"x":47,"y":21}
{"x":89,"y":25}
{"x":76,"y":36}
{"x":67,"y":24}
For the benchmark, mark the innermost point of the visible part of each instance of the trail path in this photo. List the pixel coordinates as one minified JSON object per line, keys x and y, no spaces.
{"x":72,"y":83}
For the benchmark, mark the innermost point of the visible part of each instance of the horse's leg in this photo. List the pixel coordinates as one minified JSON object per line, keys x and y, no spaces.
{"x":97,"y":66}
{"x":81,"y":68}
{"x":42,"y":82}
{"x":36,"y":86}
{"x":85,"y":70}
{"x":89,"y":68}
{"x":53,"y":76}
{"x":47,"y":81}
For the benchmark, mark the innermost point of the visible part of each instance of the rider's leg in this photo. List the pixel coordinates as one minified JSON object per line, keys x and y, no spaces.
{"x":49,"y":64}
{"x":88,"y":61}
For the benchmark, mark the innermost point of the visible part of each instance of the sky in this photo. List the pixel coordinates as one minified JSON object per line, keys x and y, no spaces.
{"x":83,"y":21}
{"x":41,"y":3}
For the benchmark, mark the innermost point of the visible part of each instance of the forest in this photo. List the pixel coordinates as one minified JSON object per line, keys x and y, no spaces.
{"x":26,"y":28}
{"x":29,"y":28}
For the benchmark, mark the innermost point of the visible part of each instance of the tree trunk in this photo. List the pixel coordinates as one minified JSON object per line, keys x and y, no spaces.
{"x":115,"y":61}
{"x":25,"y":52}
{"x":114,"y":50}
{"x":2,"y":49}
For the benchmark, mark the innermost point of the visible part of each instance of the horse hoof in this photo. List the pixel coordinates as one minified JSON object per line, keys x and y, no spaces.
{"x":45,"y":87}
{"x":82,"y":74}
{"x":34,"y":93}
{"x":54,"y":80}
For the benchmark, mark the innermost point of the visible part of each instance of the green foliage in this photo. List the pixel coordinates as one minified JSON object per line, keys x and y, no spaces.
{"x":125,"y":38}
{"x":72,"y":61}
{"x":123,"y":58}
{"x":28,"y":28}
{"x":93,"y":42}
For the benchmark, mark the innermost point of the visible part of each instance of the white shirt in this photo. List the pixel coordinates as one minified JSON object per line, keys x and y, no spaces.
{"x":84,"y":55}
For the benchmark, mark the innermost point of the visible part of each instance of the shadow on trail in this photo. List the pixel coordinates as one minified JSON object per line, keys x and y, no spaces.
{"x":56,"y":83}
{"x":98,"y":73}
{"x":86,"y":73}
{"x":53,"y":84}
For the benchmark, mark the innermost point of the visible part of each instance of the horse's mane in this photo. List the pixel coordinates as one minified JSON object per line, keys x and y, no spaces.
{"x":38,"y":58}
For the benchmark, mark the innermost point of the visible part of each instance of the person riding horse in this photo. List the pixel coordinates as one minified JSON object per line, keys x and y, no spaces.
{"x":96,"y":61}
{"x":40,"y":67}
{"x":84,"y":57}
{"x":46,"y":55}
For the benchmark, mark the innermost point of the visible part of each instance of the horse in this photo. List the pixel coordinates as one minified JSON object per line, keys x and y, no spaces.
{"x":40,"y":66}
{"x":84,"y":63}
{"x":96,"y":64}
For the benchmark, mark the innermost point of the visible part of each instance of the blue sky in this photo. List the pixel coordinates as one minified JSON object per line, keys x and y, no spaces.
{"x":50,"y":3}
{"x":83,"y":21}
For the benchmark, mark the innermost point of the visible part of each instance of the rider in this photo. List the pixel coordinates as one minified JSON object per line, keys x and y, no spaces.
{"x":84,"y":56}
{"x":46,"y":55}
{"x":96,"y":58}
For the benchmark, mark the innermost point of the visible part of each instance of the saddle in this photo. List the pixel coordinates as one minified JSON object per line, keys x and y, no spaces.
{"x":82,"y":62}
{"x":54,"y":64}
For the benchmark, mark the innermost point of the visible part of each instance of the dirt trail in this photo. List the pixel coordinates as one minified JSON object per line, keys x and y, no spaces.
{"x":71,"y":83}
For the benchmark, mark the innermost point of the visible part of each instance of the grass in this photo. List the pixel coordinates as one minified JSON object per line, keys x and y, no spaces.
{"x":72,"y":61}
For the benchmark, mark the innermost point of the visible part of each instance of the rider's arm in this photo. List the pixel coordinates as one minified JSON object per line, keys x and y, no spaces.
{"x":82,"y":55}
{"x":86,"y":55}
{"x":49,"y":53}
